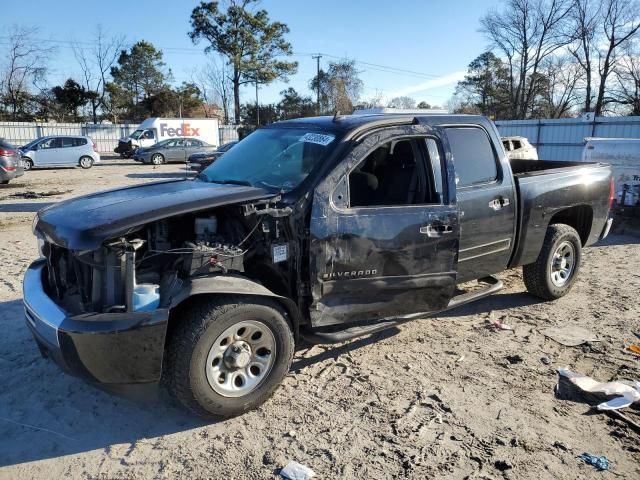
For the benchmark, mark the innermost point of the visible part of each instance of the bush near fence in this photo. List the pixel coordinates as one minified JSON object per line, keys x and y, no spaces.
{"x":104,"y":135}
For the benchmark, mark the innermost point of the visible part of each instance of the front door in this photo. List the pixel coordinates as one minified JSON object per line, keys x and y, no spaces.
{"x":384,"y":230}
{"x":49,"y":152}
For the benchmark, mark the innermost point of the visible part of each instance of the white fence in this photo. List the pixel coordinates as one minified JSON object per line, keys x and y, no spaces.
{"x":105,"y":136}
{"x":563,"y":139}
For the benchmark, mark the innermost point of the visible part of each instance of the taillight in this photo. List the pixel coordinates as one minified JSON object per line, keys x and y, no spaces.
{"x":7,"y":152}
{"x":95,"y":148}
{"x":612,"y":192}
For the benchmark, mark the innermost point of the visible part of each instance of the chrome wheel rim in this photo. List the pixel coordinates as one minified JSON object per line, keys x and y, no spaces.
{"x":157,"y":159}
{"x":241,"y":358}
{"x":26,"y":165}
{"x":563,"y":263}
{"x":85,"y":162}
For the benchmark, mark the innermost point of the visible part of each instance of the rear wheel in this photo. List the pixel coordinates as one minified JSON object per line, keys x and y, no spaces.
{"x":157,"y":159}
{"x":86,"y":162}
{"x":552,"y":275}
{"x":27,"y":164}
{"x":228,"y":355}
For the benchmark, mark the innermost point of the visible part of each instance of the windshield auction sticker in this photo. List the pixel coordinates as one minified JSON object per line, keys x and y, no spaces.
{"x":317,"y":138}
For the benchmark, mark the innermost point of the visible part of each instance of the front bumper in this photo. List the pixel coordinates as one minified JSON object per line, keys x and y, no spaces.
{"x":105,"y":348}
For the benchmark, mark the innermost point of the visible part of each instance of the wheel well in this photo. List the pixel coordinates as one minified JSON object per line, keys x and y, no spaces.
{"x":292,"y":315}
{"x":579,"y":217}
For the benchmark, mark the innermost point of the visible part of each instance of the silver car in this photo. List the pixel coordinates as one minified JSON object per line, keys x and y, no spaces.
{"x":10,"y":165}
{"x":172,"y":150}
{"x":60,"y":151}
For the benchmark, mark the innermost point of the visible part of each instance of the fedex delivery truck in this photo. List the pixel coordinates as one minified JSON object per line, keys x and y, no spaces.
{"x":153,"y":130}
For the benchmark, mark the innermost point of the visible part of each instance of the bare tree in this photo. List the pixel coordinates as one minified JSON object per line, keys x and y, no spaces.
{"x":627,"y":91}
{"x":620,"y":25}
{"x":527,"y":32}
{"x":216,"y":85}
{"x":559,"y":92}
{"x":402,"y":102}
{"x":95,"y":64}
{"x":26,"y":65}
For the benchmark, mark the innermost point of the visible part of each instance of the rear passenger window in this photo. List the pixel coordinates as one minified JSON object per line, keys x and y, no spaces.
{"x":78,"y":141}
{"x":67,"y":142}
{"x":472,"y":155}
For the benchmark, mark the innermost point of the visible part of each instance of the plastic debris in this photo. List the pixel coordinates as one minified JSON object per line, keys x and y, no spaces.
{"x":634,"y":348}
{"x":601,"y":463}
{"x":296,"y":471}
{"x":624,"y":393}
{"x":498,"y":325}
{"x":570,"y":336}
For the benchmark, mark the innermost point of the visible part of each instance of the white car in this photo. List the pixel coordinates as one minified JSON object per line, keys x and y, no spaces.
{"x":60,"y":151}
{"x":519,"y":148}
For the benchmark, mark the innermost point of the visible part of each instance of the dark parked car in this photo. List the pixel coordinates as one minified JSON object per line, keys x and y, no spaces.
{"x":172,"y":150}
{"x":10,"y":164}
{"x":323,"y":228}
{"x":201,"y":160}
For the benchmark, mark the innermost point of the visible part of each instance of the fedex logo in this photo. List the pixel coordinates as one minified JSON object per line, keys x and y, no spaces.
{"x":186,"y":131}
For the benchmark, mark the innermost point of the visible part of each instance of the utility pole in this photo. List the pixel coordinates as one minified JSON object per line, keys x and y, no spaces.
{"x":257,"y":105}
{"x":317,"y":57}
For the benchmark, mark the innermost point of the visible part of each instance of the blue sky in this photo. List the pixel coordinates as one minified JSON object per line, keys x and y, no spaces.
{"x":436,"y":38}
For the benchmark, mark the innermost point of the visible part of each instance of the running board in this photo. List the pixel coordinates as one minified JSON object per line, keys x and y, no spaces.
{"x":315,"y":336}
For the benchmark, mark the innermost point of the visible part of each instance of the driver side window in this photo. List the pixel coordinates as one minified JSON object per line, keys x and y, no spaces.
{"x":393,"y":174}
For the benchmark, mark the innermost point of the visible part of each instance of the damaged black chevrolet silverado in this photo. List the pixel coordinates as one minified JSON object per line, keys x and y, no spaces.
{"x":322,"y":229}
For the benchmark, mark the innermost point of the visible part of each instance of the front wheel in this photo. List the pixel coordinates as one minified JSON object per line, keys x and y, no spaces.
{"x":86,"y":162}
{"x":27,"y":164}
{"x":552,"y":275}
{"x":157,"y":159}
{"x":228,"y":355}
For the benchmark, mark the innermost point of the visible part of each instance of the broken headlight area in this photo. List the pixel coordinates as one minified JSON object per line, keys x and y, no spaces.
{"x":144,"y":269}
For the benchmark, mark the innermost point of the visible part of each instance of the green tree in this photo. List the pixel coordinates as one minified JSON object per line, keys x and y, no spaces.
{"x":70,"y":97}
{"x":293,"y":105}
{"x":169,"y":102}
{"x":485,"y":88}
{"x":140,"y":73}
{"x":424,"y":104}
{"x":340,"y":87}
{"x":252,"y":43}
{"x":268,"y":114}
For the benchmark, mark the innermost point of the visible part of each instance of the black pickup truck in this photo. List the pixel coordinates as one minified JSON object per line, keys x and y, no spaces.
{"x":322,"y":229}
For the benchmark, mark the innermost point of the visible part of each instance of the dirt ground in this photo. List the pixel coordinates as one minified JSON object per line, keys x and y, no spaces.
{"x":438,"y":398}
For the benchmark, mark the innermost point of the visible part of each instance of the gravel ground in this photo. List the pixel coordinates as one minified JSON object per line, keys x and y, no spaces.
{"x":439,"y":398}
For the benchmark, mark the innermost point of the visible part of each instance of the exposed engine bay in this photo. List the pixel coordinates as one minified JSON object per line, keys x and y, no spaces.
{"x":145,"y":268}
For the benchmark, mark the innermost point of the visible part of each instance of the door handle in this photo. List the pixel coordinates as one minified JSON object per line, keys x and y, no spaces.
{"x":499,"y":202}
{"x":436,"y":230}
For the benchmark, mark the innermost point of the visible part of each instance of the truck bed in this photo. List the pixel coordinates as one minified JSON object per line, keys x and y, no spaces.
{"x":546,"y":187}
{"x":540,"y":167}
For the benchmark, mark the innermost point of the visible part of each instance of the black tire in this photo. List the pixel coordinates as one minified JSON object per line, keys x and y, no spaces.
{"x":85,"y":162}
{"x":189,"y":343}
{"x":27,"y":164}
{"x":157,"y":159}
{"x":538,"y":275}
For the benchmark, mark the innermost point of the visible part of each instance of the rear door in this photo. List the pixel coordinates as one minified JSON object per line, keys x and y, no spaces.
{"x":178,"y":150}
{"x":68,"y":152}
{"x":486,"y":199}
{"x":384,"y":230}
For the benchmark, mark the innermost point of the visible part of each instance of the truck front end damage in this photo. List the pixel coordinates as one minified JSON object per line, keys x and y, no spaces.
{"x":102,"y":313}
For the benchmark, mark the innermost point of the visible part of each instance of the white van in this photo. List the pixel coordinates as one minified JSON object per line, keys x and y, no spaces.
{"x":623,"y":154}
{"x":153,"y":130}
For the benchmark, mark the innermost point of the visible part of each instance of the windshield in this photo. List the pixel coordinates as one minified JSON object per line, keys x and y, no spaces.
{"x":137,"y":134}
{"x":30,"y":145}
{"x":274,"y":158}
